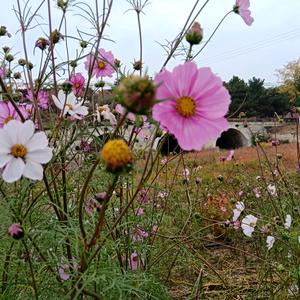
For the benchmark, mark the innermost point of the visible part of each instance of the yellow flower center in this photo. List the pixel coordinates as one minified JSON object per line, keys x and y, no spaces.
{"x":69,"y":106}
{"x":101,"y":65}
{"x":9,"y":118}
{"x":117,"y":155}
{"x":18,"y":150}
{"x":186,"y":106}
{"x":77,"y":85}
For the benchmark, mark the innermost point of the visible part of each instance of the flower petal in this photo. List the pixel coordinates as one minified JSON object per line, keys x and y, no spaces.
{"x":33,"y":170}
{"x":37,"y":142}
{"x":41,"y":156}
{"x":13,"y":170}
{"x":26,"y":131}
{"x":4,"y":159}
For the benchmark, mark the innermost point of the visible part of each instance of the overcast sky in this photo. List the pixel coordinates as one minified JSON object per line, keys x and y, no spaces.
{"x":236,"y":49}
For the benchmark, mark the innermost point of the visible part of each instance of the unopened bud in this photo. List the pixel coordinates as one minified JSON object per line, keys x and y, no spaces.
{"x":117,"y":63}
{"x":137,"y":65}
{"x":22,"y":62}
{"x":137,"y":94}
{"x":56,"y":36}
{"x":42,"y":43}
{"x":6,"y":49}
{"x":17,"y":75}
{"x":9,"y":57}
{"x":16,"y":231}
{"x":100,"y":84}
{"x":83,"y":44}
{"x":195,"y":34}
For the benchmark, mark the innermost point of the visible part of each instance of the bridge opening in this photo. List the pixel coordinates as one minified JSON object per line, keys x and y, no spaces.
{"x":232,"y":139}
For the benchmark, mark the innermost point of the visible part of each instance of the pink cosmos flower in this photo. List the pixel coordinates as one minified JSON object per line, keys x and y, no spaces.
{"x":230,"y":155}
{"x":8,"y":113}
{"x":104,"y":63}
{"x":16,"y":231}
{"x":2,"y":72}
{"x":139,"y":211}
{"x":144,"y":197}
{"x":193,"y":104}
{"x":242,"y":8}
{"x":77,"y":81}
{"x":42,"y":98}
{"x":134,"y":261}
{"x":138,"y":234}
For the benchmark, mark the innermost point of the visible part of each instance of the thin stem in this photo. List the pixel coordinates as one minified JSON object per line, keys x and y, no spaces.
{"x":184,"y":30}
{"x":141,"y":40}
{"x":31,"y":271}
{"x":205,"y":44}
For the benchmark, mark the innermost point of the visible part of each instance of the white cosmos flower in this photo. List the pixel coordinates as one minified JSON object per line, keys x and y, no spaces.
{"x":22,"y":151}
{"x":272,"y":189}
{"x":248,"y":225}
{"x":270,"y":242}
{"x":288,"y":222}
{"x":239,"y":207}
{"x":104,"y":111}
{"x":68,"y":104}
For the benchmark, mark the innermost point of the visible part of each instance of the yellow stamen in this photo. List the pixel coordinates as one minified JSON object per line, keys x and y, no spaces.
{"x":69,"y":106}
{"x":117,"y":155}
{"x":101,"y":65}
{"x":77,"y":85}
{"x":186,"y":106}
{"x":9,"y":118}
{"x":18,"y":150}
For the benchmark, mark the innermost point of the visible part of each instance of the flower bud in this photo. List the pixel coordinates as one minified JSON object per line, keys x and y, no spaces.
{"x":73,"y":63}
{"x":195,"y":34}
{"x":42,"y":43}
{"x":17,"y":75}
{"x":100,"y":84}
{"x":137,"y":65}
{"x":6,"y":49}
{"x":16,"y":231}
{"x":56,"y":36}
{"x":117,"y":63}
{"x":83,"y":44}
{"x":3,"y":31}
{"x":29,"y":65}
{"x":137,"y":94}
{"x":9,"y":57}
{"x":22,"y":62}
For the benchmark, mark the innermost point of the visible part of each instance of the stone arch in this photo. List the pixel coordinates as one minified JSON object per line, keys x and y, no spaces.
{"x":232,"y":139}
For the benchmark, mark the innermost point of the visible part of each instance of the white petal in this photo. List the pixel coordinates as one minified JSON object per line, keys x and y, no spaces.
{"x":38,"y":141}
{"x":4,"y":159}
{"x":5,"y":142}
{"x":13,"y":170}
{"x":26,"y":131}
{"x":71,"y":99}
{"x":57,"y":101}
{"x":41,"y":156}
{"x":12,"y":131}
{"x":33,"y":170}
{"x":81,"y":110}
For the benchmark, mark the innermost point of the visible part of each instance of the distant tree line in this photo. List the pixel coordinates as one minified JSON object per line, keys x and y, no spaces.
{"x":253,"y":99}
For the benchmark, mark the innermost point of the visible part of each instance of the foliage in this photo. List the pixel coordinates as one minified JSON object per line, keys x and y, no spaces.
{"x":253,"y":99}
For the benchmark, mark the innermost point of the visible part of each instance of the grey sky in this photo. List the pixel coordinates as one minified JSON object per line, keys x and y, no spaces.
{"x":236,"y":49}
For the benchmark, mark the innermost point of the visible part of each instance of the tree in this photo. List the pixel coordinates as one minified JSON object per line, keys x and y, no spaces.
{"x":238,"y":91}
{"x":253,"y":99}
{"x":289,"y":78}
